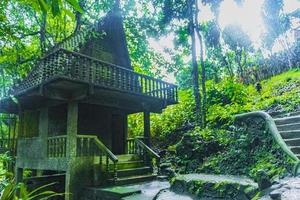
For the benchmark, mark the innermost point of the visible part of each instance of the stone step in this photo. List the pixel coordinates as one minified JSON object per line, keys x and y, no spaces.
{"x":121,"y":159}
{"x":293,"y":113}
{"x":133,"y":171}
{"x":290,"y":134}
{"x":287,"y":120}
{"x":132,"y":179}
{"x":111,"y":193}
{"x":124,"y":165}
{"x":292,"y":142}
{"x":284,"y":114}
{"x":289,"y":127}
{"x":295,"y":149}
{"x":128,"y":157}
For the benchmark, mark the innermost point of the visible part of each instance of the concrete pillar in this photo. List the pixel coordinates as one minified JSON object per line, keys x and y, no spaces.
{"x":70,"y":182}
{"x":70,"y":186}
{"x":43,"y":129}
{"x":125,"y":133}
{"x":72,"y":120}
{"x":19,"y":175}
{"x":19,"y":178}
{"x":147,"y":128}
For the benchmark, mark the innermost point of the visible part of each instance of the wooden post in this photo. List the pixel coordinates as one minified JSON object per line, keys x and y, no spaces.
{"x":126,"y":133}
{"x":70,"y":181}
{"x":147,"y":128}
{"x":19,"y":178}
{"x":43,"y":129}
{"x":72,"y":120}
{"x":19,"y":175}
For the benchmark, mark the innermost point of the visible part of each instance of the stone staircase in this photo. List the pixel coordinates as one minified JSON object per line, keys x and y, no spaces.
{"x":131,"y":168}
{"x":288,"y":126}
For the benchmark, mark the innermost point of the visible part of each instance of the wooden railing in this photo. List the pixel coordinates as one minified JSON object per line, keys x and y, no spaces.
{"x":131,"y":146}
{"x":57,"y":146}
{"x":90,"y":145}
{"x":137,"y":146}
{"x":75,"y":66}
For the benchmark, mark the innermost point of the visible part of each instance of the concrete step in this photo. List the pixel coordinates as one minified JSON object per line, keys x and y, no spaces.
{"x":292,"y":142}
{"x":293,"y":113}
{"x":290,"y":134}
{"x":111,"y":193}
{"x":128,"y":157}
{"x":284,"y":114}
{"x":121,"y":158}
{"x":125,"y":165}
{"x":295,"y":149}
{"x":287,"y":120}
{"x":133,"y":171}
{"x":289,"y":127}
{"x":132,"y":179}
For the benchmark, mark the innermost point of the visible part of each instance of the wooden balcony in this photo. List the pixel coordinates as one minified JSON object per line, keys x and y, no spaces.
{"x":77,"y":67}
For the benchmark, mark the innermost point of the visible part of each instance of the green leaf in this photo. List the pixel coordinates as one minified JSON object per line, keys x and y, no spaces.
{"x":55,"y":7}
{"x":69,"y":13}
{"x":75,"y":5}
{"x":43,"y":5}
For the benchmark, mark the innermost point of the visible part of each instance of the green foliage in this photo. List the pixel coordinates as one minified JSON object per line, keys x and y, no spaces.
{"x":13,"y":191}
{"x":247,"y":152}
{"x":165,"y":125}
{"x":280,"y":93}
{"x":195,"y":146}
{"x":223,"y":148}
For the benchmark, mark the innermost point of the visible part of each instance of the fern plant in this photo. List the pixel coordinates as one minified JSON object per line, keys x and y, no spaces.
{"x":14,"y":191}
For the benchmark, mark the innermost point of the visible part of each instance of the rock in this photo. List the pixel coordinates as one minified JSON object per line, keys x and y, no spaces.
{"x":276,"y":194}
{"x":206,"y":186}
{"x":165,"y":165}
{"x":276,"y":186}
{"x":263,"y":180}
{"x":169,"y":172}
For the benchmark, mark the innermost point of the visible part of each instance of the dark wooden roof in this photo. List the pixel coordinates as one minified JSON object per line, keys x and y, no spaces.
{"x":104,"y":40}
{"x":91,"y":64}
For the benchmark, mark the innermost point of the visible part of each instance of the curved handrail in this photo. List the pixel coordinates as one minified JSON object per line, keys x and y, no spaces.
{"x":147,"y":149}
{"x":275,"y":133}
{"x":273,"y":129}
{"x":149,"y":152}
{"x":101,"y":146}
{"x":107,"y":152}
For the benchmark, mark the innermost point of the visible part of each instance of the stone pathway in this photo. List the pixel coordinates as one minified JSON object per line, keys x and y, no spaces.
{"x":158,"y":190}
{"x":286,"y":189}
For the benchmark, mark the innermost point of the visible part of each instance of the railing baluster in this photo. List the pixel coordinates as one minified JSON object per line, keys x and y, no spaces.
{"x":88,"y":151}
{"x":107,"y":164}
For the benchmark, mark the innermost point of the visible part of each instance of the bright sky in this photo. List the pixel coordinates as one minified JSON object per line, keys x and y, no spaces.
{"x":248,"y":16}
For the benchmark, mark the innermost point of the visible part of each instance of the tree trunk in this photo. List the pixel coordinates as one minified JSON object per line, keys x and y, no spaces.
{"x":78,"y":16}
{"x":195,"y":72}
{"x":239,"y":62}
{"x":203,"y":70}
{"x":43,"y":32}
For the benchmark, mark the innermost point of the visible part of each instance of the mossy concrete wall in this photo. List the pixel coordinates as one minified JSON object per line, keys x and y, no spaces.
{"x":215,"y":186}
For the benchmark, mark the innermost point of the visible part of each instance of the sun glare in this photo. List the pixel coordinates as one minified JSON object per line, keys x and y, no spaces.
{"x":248,"y":16}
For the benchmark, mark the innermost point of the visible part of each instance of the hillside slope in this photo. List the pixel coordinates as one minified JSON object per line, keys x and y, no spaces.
{"x":225,"y":147}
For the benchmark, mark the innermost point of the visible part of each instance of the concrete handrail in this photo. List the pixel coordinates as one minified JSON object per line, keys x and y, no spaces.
{"x":274,"y":131}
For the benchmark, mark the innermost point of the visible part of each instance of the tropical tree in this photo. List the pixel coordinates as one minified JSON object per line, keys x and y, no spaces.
{"x":238,"y":42}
